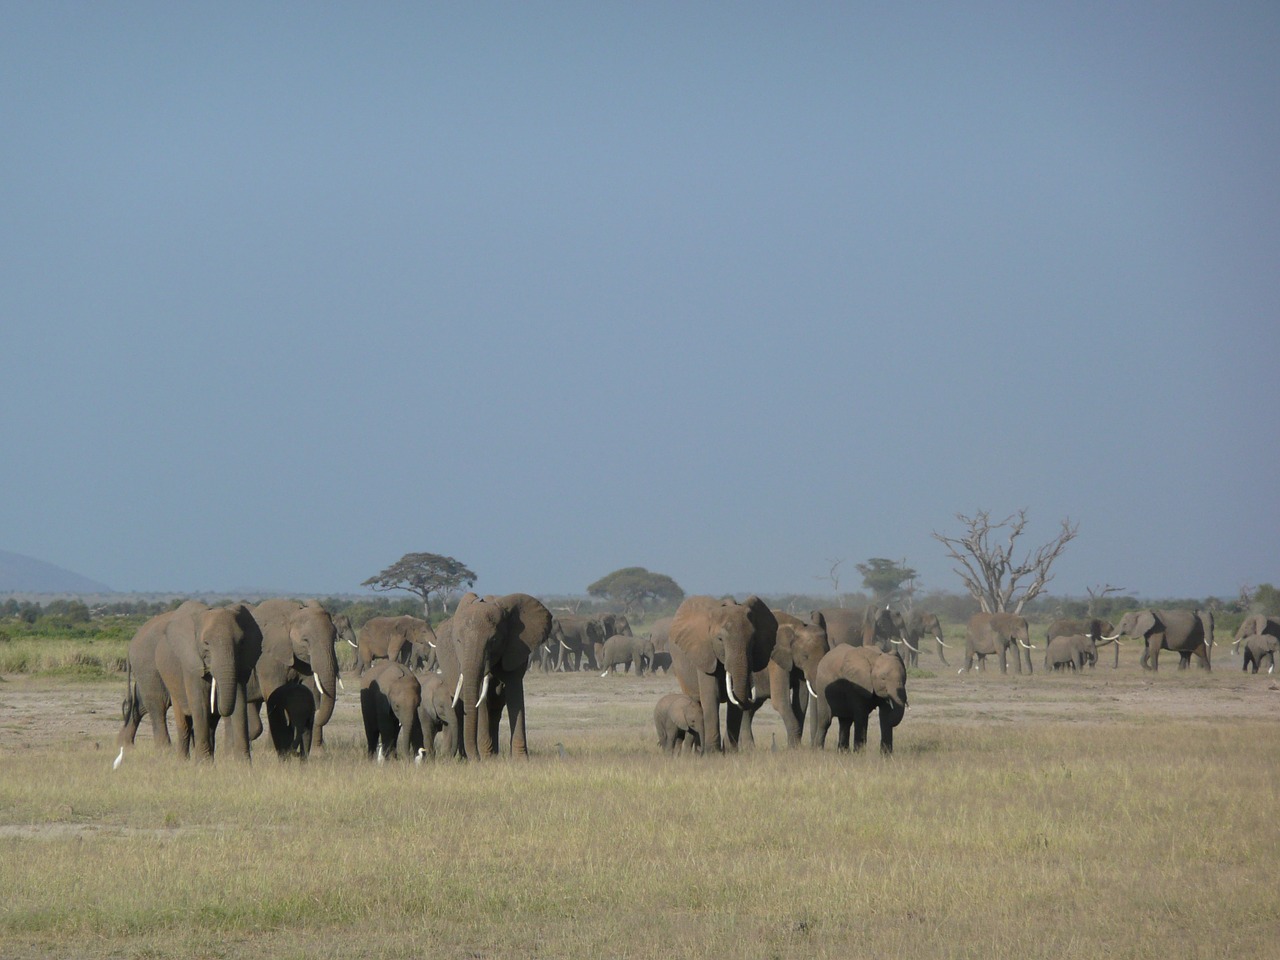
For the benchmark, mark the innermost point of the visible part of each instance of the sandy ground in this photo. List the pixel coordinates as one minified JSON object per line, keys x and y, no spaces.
{"x":38,"y":713}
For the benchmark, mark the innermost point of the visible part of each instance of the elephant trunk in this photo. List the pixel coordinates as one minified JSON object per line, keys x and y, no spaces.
{"x":222,"y":668}
{"x":475,"y":690}
{"x":737,"y":677}
{"x":324,"y":669}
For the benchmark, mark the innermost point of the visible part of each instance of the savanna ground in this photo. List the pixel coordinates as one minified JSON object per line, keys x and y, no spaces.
{"x":1115,"y":813}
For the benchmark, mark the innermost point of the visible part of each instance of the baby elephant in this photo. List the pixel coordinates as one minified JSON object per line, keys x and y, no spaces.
{"x":390,"y":696}
{"x":851,"y":682}
{"x":1071,"y":652}
{"x":437,"y":715}
{"x":291,"y":716}
{"x":1259,"y":647}
{"x":623,"y":651}
{"x":677,"y":716}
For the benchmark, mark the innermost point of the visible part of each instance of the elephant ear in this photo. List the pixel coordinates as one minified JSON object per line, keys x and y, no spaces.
{"x":691,"y":631}
{"x":817,"y":619}
{"x":764,"y":632}
{"x":1145,"y":623}
{"x":782,"y":648}
{"x":468,"y":598}
{"x":526,"y":619}
{"x":181,"y":632}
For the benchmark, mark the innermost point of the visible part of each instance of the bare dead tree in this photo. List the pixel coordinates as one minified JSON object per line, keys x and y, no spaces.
{"x":988,"y":568}
{"x":833,"y":577}
{"x":1097,"y":592}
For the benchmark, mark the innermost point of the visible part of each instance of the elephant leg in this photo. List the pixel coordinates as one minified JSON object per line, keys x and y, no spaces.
{"x":842,"y":738}
{"x":709,"y":698}
{"x":254,"y":718}
{"x":181,"y":733}
{"x":732,"y":726}
{"x":784,"y":703}
{"x":860,"y":720}
{"x":886,"y":730}
{"x":1004,"y":660}
{"x":159,"y":726}
{"x":515,"y":717}
{"x":201,"y":729}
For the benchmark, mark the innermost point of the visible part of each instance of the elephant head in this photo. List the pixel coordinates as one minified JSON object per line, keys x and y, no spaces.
{"x":889,"y":681}
{"x":297,"y":642}
{"x":716,"y":646}
{"x":494,"y":638}
{"x":800,"y":646}
{"x":883,"y":627}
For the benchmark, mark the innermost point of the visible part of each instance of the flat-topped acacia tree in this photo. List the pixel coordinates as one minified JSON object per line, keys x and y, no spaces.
{"x":424,"y":574}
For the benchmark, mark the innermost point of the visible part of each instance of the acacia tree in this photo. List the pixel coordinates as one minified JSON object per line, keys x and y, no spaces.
{"x":424,"y":574}
{"x":885,"y":579}
{"x":633,"y":587}
{"x":987,"y":566}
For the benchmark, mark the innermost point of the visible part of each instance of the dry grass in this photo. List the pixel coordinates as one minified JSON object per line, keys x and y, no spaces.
{"x":1042,"y":817}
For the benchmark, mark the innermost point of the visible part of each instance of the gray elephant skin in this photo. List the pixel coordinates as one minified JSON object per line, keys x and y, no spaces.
{"x":850,"y":683}
{"x":677,"y":716}
{"x":716,"y":647}
{"x":1185,"y":631}
{"x":437,"y":716}
{"x":1101,"y":631}
{"x":921,"y":624}
{"x":995,"y":633}
{"x":390,"y":696}
{"x":1253,"y":625}
{"x":1071,"y":652}
{"x":407,"y":640}
{"x":798,"y":649}
{"x":298,"y":645}
{"x":1257,"y":648}
{"x":494,"y":638}
{"x":623,"y":651}
{"x":573,"y":640}
{"x":197,"y":660}
{"x":875,"y":625}
{"x":291,"y":718}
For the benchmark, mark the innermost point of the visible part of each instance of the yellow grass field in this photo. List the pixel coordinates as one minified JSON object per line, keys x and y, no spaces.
{"x":1116,"y":813}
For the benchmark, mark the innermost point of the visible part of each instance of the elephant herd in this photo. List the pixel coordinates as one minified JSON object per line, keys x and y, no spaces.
{"x":456,"y":681}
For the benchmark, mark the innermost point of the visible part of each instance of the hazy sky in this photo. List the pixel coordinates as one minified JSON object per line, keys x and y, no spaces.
{"x":725,"y":290}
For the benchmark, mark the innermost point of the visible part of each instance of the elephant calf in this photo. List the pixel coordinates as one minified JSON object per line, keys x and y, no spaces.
{"x":1071,"y":652}
{"x":390,"y":696}
{"x":291,"y":717}
{"x":1257,"y":648}
{"x":622,"y":651}
{"x":677,"y":716}
{"x":850,"y":683}
{"x":437,"y":715}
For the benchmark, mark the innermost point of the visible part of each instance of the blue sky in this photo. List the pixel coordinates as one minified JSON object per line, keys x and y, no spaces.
{"x":723,"y":290}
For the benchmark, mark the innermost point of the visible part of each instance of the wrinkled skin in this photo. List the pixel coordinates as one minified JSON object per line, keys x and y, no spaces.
{"x":995,"y":633}
{"x":920,"y":625}
{"x":798,"y":649}
{"x":205,"y":658}
{"x":437,"y":716}
{"x":842,"y":624}
{"x":291,"y":717}
{"x":850,"y":683}
{"x":494,"y":638}
{"x":390,"y":696}
{"x":297,"y":645}
{"x":1185,"y":631}
{"x":623,"y":651}
{"x":1259,"y":647}
{"x":676,"y":717}
{"x":716,"y":646}
{"x":405,"y":639}
{"x":145,"y":692}
{"x":1071,"y":652}
{"x":451,"y":680}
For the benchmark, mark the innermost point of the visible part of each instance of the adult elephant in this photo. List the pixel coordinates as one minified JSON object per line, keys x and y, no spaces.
{"x":1186,"y":631}
{"x":876,"y":625}
{"x":205,"y":657}
{"x":995,"y":633}
{"x":716,"y":645}
{"x":1254,"y":625}
{"x":842,"y":624}
{"x":576,"y":638}
{"x":623,"y":651}
{"x":494,"y":637}
{"x":1257,"y":648}
{"x":451,"y":679}
{"x":390,"y":696}
{"x":145,"y":693}
{"x":1100,"y":631}
{"x":615,"y":625}
{"x":407,"y":640}
{"x":797,"y":650}
{"x":853,"y":681}
{"x":921,"y":624}
{"x":297,"y":645}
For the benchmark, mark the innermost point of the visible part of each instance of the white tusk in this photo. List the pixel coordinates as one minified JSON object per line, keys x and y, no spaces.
{"x":320,"y":687}
{"x":941,"y":641}
{"x":753,"y":691}
{"x":484,"y":690}
{"x":732,"y":698}
{"x":1116,"y":637}
{"x":115,"y":764}
{"x":342,"y":686}
{"x":566,"y":646}
{"x":213,"y":696}
{"x":431,"y":645}
{"x":457,"y":691}
{"x":356,"y":646}
{"x":812,"y":693}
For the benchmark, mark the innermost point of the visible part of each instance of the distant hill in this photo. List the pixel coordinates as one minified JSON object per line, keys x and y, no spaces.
{"x":19,"y":574}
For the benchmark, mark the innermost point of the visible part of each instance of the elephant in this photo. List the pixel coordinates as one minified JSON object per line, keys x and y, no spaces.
{"x":919,"y":626}
{"x":716,"y":646}
{"x":436,"y":715}
{"x":1101,"y":631}
{"x":853,"y":681}
{"x":1256,"y":624}
{"x":1186,"y":631}
{"x":623,"y":651}
{"x":1257,"y":648}
{"x":145,"y":693}
{"x":297,"y":644}
{"x":205,"y":658}
{"x":677,"y":716}
{"x":451,"y":678}
{"x":1070,"y":652}
{"x":994,"y":633}
{"x":615,"y":625}
{"x":404,"y":639}
{"x":862,"y":626}
{"x":797,"y":650}
{"x":661,"y":661}
{"x":291,"y":717}
{"x":390,"y":696}
{"x":576,"y":638}
{"x":660,"y":634}
{"x":493,"y":638}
